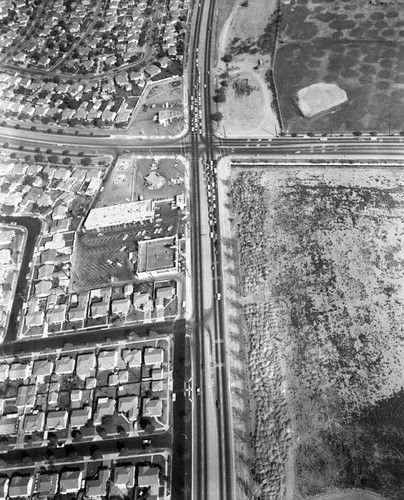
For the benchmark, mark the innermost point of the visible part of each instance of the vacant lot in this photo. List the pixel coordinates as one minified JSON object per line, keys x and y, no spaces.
{"x":359,"y":47}
{"x":246,"y":112}
{"x":154,"y":99}
{"x":331,"y":255}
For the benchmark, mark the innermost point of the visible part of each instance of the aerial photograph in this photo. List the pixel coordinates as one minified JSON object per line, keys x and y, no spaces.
{"x":202,"y":249}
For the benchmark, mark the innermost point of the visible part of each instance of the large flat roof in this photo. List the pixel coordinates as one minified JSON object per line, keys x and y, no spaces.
{"x":156,"y":254}
{"x":120,"y":214}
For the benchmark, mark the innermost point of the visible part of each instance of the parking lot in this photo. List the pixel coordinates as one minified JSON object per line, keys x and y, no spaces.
{"x":102,"y":256}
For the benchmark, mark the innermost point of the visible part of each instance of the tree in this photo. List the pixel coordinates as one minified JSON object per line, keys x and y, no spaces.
{"x":86,"y":161}
{"x":146,"y":424}
{"x":67,"y":160}
{"x":217,"y":117}
{"x":39,"y":158}
{"x":227,"y":58}
{"x":53,"y":159}
{"x":53,"y":439}
{"x":219,"y":98}
{"x":95,"y":452}
{"x":77,"y":435}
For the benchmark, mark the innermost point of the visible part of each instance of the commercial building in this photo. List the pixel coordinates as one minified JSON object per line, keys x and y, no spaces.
{"x":114,"y":215}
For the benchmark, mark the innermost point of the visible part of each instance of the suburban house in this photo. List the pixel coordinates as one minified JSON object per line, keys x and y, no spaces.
{"x":34,"y":422}
{"x":85,"y":365}
{"x":64,"y":365}
{"x":97,"y":488}
{"x":128,"y":406}
{"x":18,"y":371}
{"x":105,"y":406}
{"x":20,"y":486}
{"x":57,"y":420}
{"x":148,"y":477}
{"x":107,"y":360}
{"x":70,"y":481}
{"x":132,"y":357}
{"x":79,"y":417}
{"x":152,"y":407}
{"x":124,"y":476}
{"x":4,"y":482}
{"x":47,"y":485}
{"x":42,"y":368}
{"x":153,"y":356}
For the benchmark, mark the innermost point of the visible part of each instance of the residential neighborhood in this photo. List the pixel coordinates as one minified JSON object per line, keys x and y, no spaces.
{"x":87,"y":394}
{"x":133,"y":477}
{"x":94,"y":250}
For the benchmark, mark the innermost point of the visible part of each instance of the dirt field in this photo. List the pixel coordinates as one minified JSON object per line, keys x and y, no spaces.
{"x":324,"y":249}
{"x":157,"y":94}
{"x":357,"y":46}
{"x":247,"y":114}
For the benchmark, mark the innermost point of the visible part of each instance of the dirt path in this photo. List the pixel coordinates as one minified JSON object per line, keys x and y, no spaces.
{"x":349,"y":495}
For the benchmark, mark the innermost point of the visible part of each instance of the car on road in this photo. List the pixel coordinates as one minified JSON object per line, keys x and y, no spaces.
{"x":217,"y":403}
{"x":146,"y":443}
{"x":198,"y":391}
{"x":323,"y":139}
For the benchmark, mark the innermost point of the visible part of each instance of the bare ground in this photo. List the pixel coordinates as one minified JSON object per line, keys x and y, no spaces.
{"x":247,"y":115}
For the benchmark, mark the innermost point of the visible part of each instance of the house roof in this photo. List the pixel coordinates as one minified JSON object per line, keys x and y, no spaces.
{"x":45,"y":271}
{"x":153,"y":355}
{"x":57,"y":419}
{"x":43,"y":287}
{"x":79,"y":417}
{"x":124,"y":476}
{"x":64,"y":365}
{"x":132,"y":357}
{"x":47,"y":484}
{"x":70,"y":481}
{"x":99,"y":309}
{"x":148,"y":476}
{"x":107,"y":359}
{"x":18,"y":371}
{"x":120,"y":306}
{"x":4,"y":486}
{"x":152,"y":407}
{"x":26,"y":395}
{"x":105,"y":406}
{"x":4,"y":369}
{"x":34,"y":318}
{"x":85,"y":363}
{"x":42,"y":367}
{"x":56,"y":315}
{"x":129,"y":405}
{"x":20,"y":486}
{"x":8,"y":425}
{"x":34,"y":422}
{"x":96,"y":488}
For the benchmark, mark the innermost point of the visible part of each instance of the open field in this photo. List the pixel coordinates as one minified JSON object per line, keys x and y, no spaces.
{"x":324,"y":249}
{"x":247,"y":109}
{"x":346,"y":44}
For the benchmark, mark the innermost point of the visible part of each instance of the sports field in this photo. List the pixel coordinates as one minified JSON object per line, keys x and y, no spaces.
{"x":359,"y":47}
